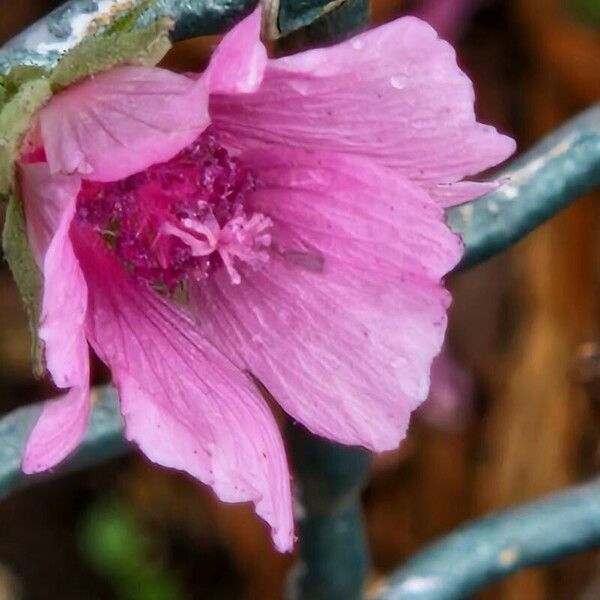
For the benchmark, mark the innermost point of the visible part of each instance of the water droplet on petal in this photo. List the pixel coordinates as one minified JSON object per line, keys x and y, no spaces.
{"x":398,"y":81}
{"x":300,"y":86}
{"x":357,"y":44}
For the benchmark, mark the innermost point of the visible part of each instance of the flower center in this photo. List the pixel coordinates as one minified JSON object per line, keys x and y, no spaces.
{"x":180,"y":220}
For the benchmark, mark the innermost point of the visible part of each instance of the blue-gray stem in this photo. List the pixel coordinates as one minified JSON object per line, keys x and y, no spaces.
{"x":104,"y":440}
{"x":42,"y":43}
{"x":334,"y":558}
{"x":541,"y":182}
{"x":487,"y":549}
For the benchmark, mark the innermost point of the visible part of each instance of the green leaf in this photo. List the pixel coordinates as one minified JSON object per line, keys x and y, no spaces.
{"x":11,"y":82}
{"x":26,"y":273}
{"x":21,"y":74}
{"x":15,"y":120}
{"x":126,"y":22}
{"x":111,"y":48}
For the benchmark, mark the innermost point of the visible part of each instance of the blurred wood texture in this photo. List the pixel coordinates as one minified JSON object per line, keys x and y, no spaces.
{"x":540,"y":415}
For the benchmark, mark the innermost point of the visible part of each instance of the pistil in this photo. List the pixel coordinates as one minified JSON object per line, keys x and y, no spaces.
{"x":180,"y":220}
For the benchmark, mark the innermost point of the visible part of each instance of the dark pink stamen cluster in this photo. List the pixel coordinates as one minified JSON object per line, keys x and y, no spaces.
{"x":158,"y":222}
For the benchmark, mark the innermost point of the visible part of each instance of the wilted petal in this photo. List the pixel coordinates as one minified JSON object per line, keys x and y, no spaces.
{"x":122,"y":121}
{"x":394,"y":94}
{"x":184,"y":404}
{"x":344,"y":321}
{"x":238,"y":63}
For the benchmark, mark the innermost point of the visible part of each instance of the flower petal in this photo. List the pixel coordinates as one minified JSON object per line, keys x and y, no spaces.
{"x":184,"y":404}
{"x":58,"y":431}
{"x":46,"y":197}
{"x":49,"y":202}
{"x":238,"y":63}
{"x":122,"y":121}
{"x":452,"y":194}
{"x":342,"y":324}
{"x":394,"y":94}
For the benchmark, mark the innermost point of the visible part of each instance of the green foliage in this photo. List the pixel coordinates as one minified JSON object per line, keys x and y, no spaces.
{"x":111,"y":48}
{"x":17,"y":77}
{"x":117,"y":548}
{"x":25,"y":272}
{"x":127,"y":21}
{"x":15,"y":118}
{"x":587,"y":10}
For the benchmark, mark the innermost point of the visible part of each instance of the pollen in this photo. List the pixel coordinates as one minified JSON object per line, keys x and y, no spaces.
{"x":181,"y":220}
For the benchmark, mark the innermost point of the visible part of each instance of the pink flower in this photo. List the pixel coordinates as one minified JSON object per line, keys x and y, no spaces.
{"x":298,"y":204}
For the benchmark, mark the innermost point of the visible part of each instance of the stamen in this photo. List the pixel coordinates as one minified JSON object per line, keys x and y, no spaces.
{"x":180,"y":220}
{"x":246,"y":240}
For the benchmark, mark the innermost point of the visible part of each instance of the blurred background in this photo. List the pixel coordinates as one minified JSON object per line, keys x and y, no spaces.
{"x":515,"y":406}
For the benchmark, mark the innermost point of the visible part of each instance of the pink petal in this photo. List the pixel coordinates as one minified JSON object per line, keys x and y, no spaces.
{"x":184,"y":404}
{"x":122,"y":121}
{"x":344,"y":321}
{"x":59,"y":430}
{"x":394,"y":94}
{"x":238,"y":63}
{"x":451,"y":194}
{"x":46,"y":197}
{"x":49,"y":209}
